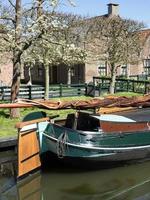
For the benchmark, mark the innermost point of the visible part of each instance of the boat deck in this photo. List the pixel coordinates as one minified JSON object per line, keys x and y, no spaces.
{"x":138,"y":115}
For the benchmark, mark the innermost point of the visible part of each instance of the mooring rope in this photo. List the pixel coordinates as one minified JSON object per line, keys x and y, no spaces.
{"x":61,"y":144}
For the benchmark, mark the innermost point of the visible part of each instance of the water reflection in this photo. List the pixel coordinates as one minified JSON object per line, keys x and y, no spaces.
{"x":120,"y":183}
{"x":30,"y":189}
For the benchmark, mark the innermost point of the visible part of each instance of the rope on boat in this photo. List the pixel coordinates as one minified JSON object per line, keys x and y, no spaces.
{"x":148,"y":125}
{"x":61,"y":144}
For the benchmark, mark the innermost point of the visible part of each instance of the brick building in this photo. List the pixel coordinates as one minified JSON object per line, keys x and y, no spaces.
{"x":93,"y":67}
{"x":141,"y":67}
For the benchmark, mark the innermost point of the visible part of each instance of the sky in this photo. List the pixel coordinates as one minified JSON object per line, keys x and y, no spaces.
{"x":131,"y":9}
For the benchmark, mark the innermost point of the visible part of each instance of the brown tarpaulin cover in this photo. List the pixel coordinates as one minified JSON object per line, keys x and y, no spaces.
{"x":108,"y":103}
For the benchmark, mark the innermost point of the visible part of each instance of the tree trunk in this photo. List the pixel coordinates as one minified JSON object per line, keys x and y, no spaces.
{"x":69,"y":76}
{"x":46,"y":96}
{"x":14,"y":113}
{"x":16,"y":61}
{"x":39,"y":8}
{"x":128,"y":71}
{"x":113,"y":79}
{"x":30,"y":77}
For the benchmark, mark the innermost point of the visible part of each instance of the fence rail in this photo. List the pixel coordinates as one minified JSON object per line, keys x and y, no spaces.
{"x":99,"y":85}
{"x":37,"y":91}
{"x":122,"y":85}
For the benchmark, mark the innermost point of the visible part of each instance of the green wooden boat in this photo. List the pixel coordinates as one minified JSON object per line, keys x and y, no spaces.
{"x":80,"y":137}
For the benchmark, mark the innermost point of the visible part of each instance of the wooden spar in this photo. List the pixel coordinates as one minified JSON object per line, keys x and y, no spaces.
{"x":15,"y":105}
{"x":20,"y":125}
{"x":28,"y":146}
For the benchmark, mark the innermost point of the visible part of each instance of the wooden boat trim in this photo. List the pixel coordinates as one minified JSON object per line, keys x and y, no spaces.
{"x":87,"y":146}
{"x":24,"y":133}
{"x":31,"y":156}
{"x":114,"y":118}
{"x":22,"y":124}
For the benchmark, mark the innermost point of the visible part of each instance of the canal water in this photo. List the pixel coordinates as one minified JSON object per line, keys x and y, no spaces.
{"x":126,"y":182}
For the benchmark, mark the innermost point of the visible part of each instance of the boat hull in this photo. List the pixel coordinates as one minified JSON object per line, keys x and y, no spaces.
{"x":97,"y":147}
{"x":87,"y":154}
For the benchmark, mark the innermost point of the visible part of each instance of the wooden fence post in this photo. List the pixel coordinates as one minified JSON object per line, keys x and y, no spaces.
{"x":128,"y":85}
{"x":146,"y":89}
{"x":60,"y":90}
{"x":133,"y":89}
{"x":30,"y":91}
{"x":79,"y":91}
{"x":2,"y":93}
{"x":94,"y":86}
{"x":86,"y":89}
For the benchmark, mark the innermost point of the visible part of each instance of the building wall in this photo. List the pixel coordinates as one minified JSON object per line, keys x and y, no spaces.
{"x":132,"y":69}
{"x":6,"y":70}
{"x":6,"y":74}
{"x":91,"y":69}
{"x":136,"y":69}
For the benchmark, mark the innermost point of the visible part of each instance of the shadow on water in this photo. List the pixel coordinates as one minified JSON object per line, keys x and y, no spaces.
{"x":59,"y":181}
{"x":51,"y":163}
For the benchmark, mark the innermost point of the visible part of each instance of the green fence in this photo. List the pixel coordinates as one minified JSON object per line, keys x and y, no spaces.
{"x":37,"y":91}
{"x":122,"y":85}
{"x":99,"y":85}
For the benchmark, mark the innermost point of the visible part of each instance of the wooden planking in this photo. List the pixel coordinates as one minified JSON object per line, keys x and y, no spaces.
{"x":22,"y":124}
{"x":28,"y":153}
{"x":29,"y":145}
{"x":115,"y":127}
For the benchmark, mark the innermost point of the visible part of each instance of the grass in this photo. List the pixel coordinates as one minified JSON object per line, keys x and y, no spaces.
{"x":127,"y":94}
{"x":7,"y":125}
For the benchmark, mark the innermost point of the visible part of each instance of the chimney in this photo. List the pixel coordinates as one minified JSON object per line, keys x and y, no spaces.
{"x":113,"y":9}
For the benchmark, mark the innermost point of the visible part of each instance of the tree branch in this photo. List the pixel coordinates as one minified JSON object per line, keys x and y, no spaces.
{"x":9,"y":19}
{"x":11,"y":4}
{"x":29,"y":43}
{"x":6,"y":40}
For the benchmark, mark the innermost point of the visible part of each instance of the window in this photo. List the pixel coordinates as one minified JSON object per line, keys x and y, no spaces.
{"x":146,"y":63}
{"x":40,"y":71}
{"x":102,"y":70}
{"x":124,"y":70}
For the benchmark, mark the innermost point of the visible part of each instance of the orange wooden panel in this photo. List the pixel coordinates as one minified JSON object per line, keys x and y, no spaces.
{"x":28,"y":145}
{"x":29,"y":165}
{"x":28,"y":153}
